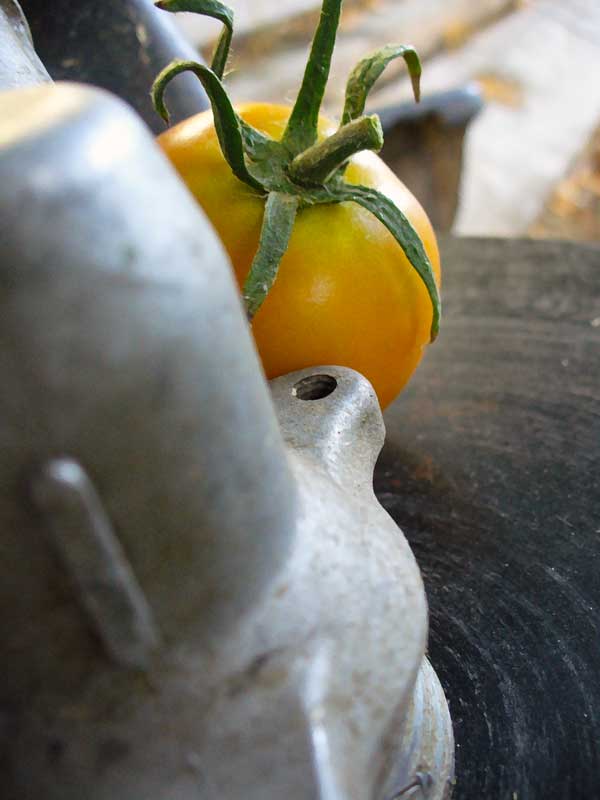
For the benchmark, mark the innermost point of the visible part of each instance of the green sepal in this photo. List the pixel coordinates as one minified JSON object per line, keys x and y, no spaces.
{"x":316,"y":165}
{"x":397,"y":224}
{"x":227,"y":122}
{"x":209,"y":8}
{"x":256,"y":144}
{"x":301,"y":130}
{"x":367,"y":72}
{"x":278,"y":222}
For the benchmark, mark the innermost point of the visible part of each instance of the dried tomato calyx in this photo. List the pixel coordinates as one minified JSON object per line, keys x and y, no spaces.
{"x":300,"y":170}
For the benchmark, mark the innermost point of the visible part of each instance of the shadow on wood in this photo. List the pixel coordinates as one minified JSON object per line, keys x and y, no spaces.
{"x":424,"y":147}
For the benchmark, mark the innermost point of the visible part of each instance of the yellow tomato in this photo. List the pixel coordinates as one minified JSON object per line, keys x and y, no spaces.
{"x":345,"y":293}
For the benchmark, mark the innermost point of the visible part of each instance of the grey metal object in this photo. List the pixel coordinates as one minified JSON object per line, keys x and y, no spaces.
{"x":94,"y":559}
{"x":123,"y":341}
{"x":118,"y":45}
{"x":142,"y":455}
{"x":19,"y":63}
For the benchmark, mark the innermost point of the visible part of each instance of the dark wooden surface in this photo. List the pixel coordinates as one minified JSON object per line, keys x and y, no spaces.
{"x":492,"y":469}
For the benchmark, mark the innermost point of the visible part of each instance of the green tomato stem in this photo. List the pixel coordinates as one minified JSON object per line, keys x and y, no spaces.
{"x":227,"y":122}
{"x":403,"y":232}
{"x":209,"y":8}
{"x":314,"y":166}
{"x":367,"y":71}
{"x":278,"y":222}
{"x":301,"y":130}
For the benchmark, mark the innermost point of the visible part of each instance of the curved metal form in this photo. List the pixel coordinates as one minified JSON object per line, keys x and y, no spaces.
{"x":118,"y":45}
{"x":200,"y":596}
{"x":19,"y":63}
{"x":124,"y":347}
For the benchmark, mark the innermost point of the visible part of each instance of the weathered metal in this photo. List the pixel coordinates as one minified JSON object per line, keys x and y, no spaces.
{"x":93,"y":558}
{"x":196,"y":600}
{"x":118,"y":45}
{"x":19,"y":63}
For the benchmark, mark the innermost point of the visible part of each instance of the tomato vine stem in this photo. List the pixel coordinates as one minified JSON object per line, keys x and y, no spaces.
{"x":315,"y":165}
{"x":301,"y":130}
{"x":365,"y":74}
{"x":209,"y":8}
{"x":278,"y":222}
{"x":227,"y":124}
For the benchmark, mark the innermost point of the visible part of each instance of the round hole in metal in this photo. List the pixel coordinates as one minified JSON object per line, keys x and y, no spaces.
{"x":314,"y":387}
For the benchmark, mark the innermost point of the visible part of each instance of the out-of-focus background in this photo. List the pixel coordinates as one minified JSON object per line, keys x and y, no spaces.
{"x":507,"y":139}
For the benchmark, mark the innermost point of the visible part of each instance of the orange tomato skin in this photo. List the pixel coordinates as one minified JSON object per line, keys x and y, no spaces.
{"x":345,"y":293}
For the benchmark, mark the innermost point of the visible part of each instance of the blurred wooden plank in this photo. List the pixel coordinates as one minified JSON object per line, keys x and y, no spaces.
{"x":540,"y":66}
{"x":424,"y":145}
{"x":249,"y":15}
{"x":267,"y":63}
{"x":573,"y":209}
{"x":535,"y":60}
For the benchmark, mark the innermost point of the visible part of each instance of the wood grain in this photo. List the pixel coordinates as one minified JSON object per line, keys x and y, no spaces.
{"x":492,"y":469}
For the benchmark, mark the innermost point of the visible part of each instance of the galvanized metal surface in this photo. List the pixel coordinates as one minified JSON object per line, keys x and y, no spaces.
{"x":118,"y":45}
{"x":290,"y":610}
{"x":124,"y":346}
{"x":19,"y":63}
{"x":93,"y":558}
